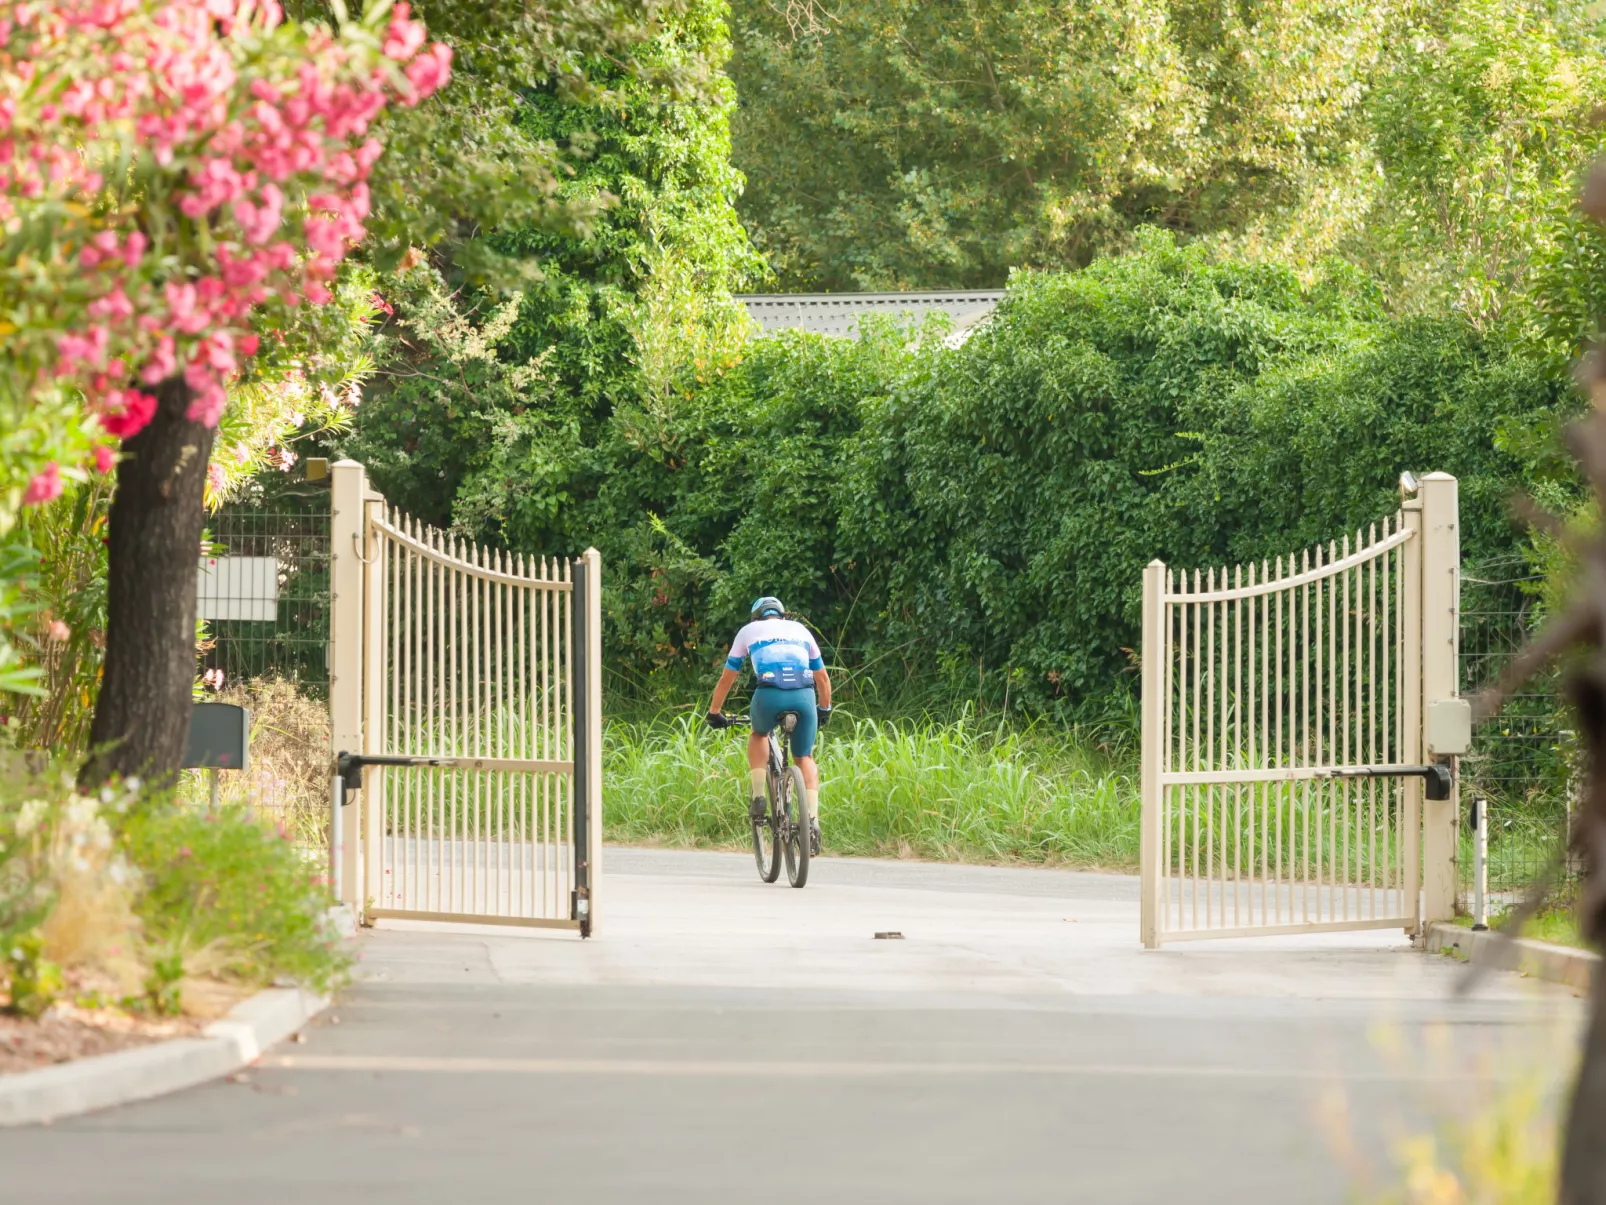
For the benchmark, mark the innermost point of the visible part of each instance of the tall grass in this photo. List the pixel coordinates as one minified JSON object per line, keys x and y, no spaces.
{"x":956,"y":790}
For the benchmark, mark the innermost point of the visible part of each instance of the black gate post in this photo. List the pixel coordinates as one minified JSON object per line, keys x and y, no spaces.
{"x":580,"y":728}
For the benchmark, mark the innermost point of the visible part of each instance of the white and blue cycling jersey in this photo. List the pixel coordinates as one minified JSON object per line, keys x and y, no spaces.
{"x":784,"y":654}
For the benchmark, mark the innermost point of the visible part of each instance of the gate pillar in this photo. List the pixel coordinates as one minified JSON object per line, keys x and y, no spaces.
{"x":1155,"y":702}
{"x":1441,"y":627}
{"x":588,"y":732}
{"x":348,"y":487}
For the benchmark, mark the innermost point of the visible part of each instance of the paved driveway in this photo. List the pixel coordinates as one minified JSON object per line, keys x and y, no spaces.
{"x":721,"y":1040}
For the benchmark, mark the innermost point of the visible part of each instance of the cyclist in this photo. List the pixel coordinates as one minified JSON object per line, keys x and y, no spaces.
{"x":791,"y":677}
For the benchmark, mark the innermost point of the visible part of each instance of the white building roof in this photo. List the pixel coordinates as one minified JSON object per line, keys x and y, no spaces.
{"x":838,"y":313}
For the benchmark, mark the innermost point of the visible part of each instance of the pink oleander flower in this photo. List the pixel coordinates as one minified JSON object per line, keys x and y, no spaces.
{"x":129,"y":412}
{"x":254,"y":148}
{"x":429,"y":72}
{"x":45,"y":486}
{"x":58,"y":632}
{"x":404,"y":37}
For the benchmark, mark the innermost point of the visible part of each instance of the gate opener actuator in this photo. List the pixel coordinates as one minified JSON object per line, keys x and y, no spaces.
{"x":1447,"y":733}
{"x":348,"y":777}
{"x":349,"y":766}
{"x":1438,"y":775}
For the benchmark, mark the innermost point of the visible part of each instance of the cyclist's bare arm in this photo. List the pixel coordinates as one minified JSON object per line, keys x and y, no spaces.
{"x":727,"y":679}
{"x":822,"y":687}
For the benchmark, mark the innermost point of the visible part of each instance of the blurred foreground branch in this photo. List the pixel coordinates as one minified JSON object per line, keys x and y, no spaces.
{"x":1577,"y":633}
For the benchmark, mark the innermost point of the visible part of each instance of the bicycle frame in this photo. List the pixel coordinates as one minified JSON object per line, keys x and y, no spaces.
{"x":781,"y":751}
{"x":787,"y":818}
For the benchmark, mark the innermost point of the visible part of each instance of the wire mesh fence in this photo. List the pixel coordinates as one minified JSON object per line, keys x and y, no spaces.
{"x":1522,"y":761}
{"x":263,"y":591}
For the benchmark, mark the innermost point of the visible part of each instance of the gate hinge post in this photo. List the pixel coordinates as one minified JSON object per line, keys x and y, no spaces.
{"x":348,"y":483}
{"x":1441,"y":572}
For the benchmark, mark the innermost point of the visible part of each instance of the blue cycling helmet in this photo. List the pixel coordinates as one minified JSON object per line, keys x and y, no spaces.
{"x":767,"y":606}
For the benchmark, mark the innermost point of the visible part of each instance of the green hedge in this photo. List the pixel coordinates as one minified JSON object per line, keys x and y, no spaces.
{"x":977,"y":517}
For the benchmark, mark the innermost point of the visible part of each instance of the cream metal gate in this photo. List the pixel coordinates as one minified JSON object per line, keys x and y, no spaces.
{"x":480,"y":723}
{"x":1283,"y":737}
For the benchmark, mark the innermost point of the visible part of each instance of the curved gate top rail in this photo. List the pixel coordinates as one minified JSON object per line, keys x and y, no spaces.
{"x":1282,"y":706}
{"x":480,"y":668}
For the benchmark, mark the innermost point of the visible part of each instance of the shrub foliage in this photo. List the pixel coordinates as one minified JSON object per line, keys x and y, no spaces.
{"x":979,"y":515}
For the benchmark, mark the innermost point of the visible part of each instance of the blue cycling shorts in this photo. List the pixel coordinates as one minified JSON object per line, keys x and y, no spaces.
{"x":765,"y":712}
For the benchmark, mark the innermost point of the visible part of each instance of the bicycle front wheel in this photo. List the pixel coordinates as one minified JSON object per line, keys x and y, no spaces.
{"x":796,"y":827}
{"x":766,"y":844}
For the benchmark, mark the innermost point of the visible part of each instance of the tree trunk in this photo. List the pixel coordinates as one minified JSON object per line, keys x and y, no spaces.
{"x":1583,"y":1161}
{"x":142,"y":717}
{"x":1583,"y":1164}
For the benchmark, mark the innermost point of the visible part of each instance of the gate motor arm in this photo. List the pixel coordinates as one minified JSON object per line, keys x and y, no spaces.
{"x":1438,"y":775}
{"x":349,"y":766}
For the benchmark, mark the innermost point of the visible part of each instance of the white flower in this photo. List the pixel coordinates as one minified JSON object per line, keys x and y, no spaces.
{"x":28,"y":818}
{"x":82,"y":810}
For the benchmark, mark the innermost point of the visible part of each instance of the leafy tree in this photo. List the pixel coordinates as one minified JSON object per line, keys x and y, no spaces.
{"x":480,"y":159}
{"x":458,"y":427}
{"x":1483,"y":117}
{"x":897,"y":144}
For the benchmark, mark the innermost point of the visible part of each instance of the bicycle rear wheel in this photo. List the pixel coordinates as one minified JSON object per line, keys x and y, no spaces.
{"x":796,"y":827}
{"x":766,"y":844}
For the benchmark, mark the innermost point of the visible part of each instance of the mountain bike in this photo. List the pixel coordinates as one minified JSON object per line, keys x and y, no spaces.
{"x":785,"y":826}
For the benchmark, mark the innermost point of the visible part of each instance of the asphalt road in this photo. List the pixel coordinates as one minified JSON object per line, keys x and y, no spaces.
{"x":720,"y":1040}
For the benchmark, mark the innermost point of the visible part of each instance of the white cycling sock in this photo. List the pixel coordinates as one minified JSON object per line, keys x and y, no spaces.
{"x":812,"y":799}
{"x":756,"y":777}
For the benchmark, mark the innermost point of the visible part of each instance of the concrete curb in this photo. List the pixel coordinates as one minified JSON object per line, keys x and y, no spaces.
{"x":84,"y":1085}
{"x":1539,"y":959}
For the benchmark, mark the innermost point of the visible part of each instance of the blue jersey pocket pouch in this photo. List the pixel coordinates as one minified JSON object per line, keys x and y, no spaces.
{"x":786,"y":677}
